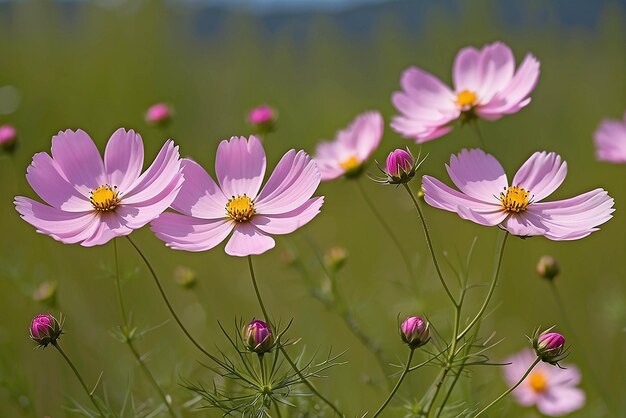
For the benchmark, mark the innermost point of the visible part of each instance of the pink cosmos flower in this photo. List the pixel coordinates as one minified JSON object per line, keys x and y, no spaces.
{"x":487,"y":198}
{"x":90,"y":201}
{"x":261,"y":115}
{"x":8,"y":133}
{"x":210,"y":212}
{"x":159,"y":113}
{"x":351,"y":147}
{"x":551,"y":389}
{"x":486,"y":85}
{"x":610,"y":139}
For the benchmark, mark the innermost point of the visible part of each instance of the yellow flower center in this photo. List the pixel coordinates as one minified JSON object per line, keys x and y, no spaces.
{"x":515,"y":199}
{"x":466,"y":99}
{"x":350,"y":164}
{"x":537,"y":381}
{"x":105,"y":198}
{"x":240,"y":208}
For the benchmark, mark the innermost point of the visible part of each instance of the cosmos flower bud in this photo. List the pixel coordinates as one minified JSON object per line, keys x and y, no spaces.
{"x":549,"y":346}
{"x":46,"y":294}
{"x":185,"y":277}
{"x":159,"y":114}
{"x":263,"y":119}
{"x":45,"y":329}
{"x":258,"y":337}
{"x":8,"y":137}
{"x":399,"y":162}
{"x":335,"y":258}
{"x":547,"y":268}
{"x":415,"y":331}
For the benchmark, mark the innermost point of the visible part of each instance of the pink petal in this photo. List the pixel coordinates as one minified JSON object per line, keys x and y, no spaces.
{"x":292,"y":183}
{"x":162,"y":172}
{"x":541,"y":174}
{"x":79,"y":159}
{"x":497,"y":65}
{"x":286,"y":223}
{"x":199,"y":196}
{"x":248,"y":240}
{"x":568,"y":376}
{"x":47,"y":180}
{"x":488,"y":217}
{"x":426,"y":89}
{"x":123,"y":158}
{"x":182,"y":232}
{"x":610,"y":140}
{"x":478,"y":174}
{"x":560,"y":400}
{"x":328,"y":156}
{"x":364,"y":134}
{"x":525,"y":224}
{"x":438,"y":195}
{"x":109,"y":227}
{"x":67,"y":227}
{"x":466,"y":70}
{"x":240,"y":166}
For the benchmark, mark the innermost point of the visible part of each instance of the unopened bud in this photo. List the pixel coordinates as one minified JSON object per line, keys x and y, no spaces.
{"x":263,"y":119}
{"x":549,"y":346}
{"x":185,"y":277}
{"x":45,"y":329}
{"x":159,"y":114}
{"x":258,"y":337}
{"x":547,"y":268}
{"x":415,"y":331}
{"x":335,"y":258}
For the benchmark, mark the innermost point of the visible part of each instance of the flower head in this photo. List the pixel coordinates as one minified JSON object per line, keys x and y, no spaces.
{"x":415,"y":331}
{"x":549,"y":346}
{"x":351,"y":147}
{"x":45,"y":329}
{"x":159,"y":114}
{"x":486,"y":85}
{"x":209,"y":212}
{"x":551,"y":389}
{"x":263,"y":118}
{"x":610,"y":139}
{"x":8,"y":137}
{"x":487,"y":198}
{"x":90,"y":201}
{"x":258,"y":337}
{"x":547,"y":267}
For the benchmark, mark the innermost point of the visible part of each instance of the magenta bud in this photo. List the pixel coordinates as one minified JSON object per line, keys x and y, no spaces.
{"x":159,"y":114}
{"x":8,"y":137}
{"x":547,"y":268}
{"x":45,"y":329}
{"x":263,"y":119}
{"x":415,"y":331}
{"x":549,"y":346}
{"x":399,"y":162}
{"x":258,"y":337}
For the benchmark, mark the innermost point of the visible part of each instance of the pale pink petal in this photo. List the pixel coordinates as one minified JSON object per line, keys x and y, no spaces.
{"x":328,"y":156}
{"x":541,"y":174}
{"x":182,"y":232}
{"x":488,"y":217}
{"x":67,"y":227}
{"x":240,"y":166}
{"x":497,"y":65}
{"x":123,"y":158}
{"x":441,"y":196}
{"x":248,"y":240}
{"x":610,"y":140}
{"x":109,"y":227}
{"x":466,"y":70}
{"x":365,"y":134}
{"x":560,"y":400}
{"x":525,"y":224}
{"x":286,"y":223}
{"x":292,"y":183}
{"x":426,"y":89}
{"x":478,"y":174}
{"x":47,"y":180}
{"x":164,"y":170}
{"x":570,"y":375}
{"x":199,"y":196}
{"x":78,"y":157}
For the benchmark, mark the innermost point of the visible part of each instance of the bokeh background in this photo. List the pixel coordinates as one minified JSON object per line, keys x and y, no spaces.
{"x":99,"y":65}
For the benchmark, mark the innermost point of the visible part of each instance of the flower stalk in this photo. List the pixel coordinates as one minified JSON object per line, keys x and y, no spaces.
{"x":406,"y":370}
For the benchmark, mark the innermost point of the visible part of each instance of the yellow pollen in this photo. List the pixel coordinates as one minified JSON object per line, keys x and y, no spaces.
{"x":105,"y":198}
{"x":466,"y":99}
{"x":515,"y":199}
{"x":537,"y":381}
{"x":240,"y":208}
{"x":350,"y":164}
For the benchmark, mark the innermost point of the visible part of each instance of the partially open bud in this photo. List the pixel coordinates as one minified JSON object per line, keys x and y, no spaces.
{"x":46,"y":294}
{"x":335,"y":258}
{"x":263,"y":119}
{"x":549,"y":346}
{"x":415,"y":331}
{"x":547,"y":268}
{"x":258,"y":337}
{"x":400,"y":167}
{"x":8,"y":137}
{"x":159,"y":114}
{"x":185,"y":277}
{"x":45,"y":329}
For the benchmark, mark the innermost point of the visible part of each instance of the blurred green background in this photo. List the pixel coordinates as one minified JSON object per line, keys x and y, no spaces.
{"x":98,"y":67}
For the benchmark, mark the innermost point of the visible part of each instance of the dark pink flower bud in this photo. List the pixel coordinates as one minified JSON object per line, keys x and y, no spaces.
{"x":399,"y":162}
{"x":45,"y":329}
{"x":263,"y":119}
{"x":415,"y":331}
{"x":549,"y":346}
{"x":8,"y":137}
{"x":258,"y":337}
{"x":159,"y":114}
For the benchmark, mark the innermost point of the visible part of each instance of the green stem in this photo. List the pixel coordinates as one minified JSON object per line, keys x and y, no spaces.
{"x":282,"y":349}
{"x":439,"y":382}
{"x":262,"y":367}
{"x":397,"y":386}
{"x":387,"y":228}
{"x":80,"y":379}
{"x":129,"y":338}
{"x":430,"y":243}
{"x":167,"y":301}
{"x":510,"y":389}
